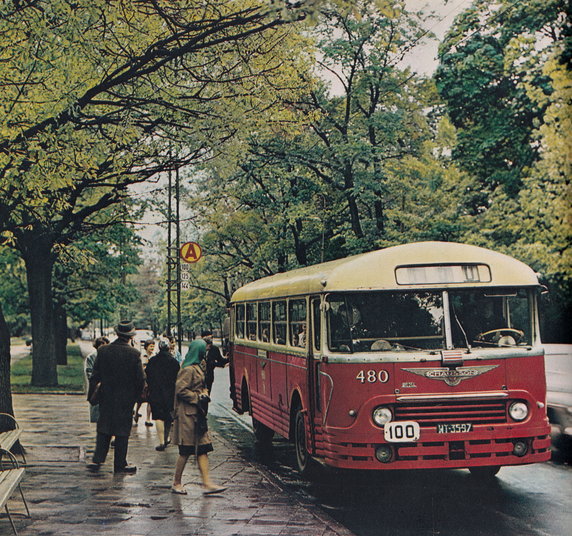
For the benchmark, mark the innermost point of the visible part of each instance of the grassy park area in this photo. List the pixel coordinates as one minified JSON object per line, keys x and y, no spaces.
{"x":70,"y":376}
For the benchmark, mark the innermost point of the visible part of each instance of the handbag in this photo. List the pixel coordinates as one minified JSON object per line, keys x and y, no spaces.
{"x":94,"y":393}
{"x":202,"y":423}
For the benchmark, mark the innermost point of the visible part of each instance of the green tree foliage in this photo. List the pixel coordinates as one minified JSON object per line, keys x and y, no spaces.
{"x":92,"y":277}
{"x":365,"y":164}
{"x":505,"y":75}
{"x":362,"y":169}
{"x":537,"y":226}
{"x":97,"y":95}
{"x":485,"y":59}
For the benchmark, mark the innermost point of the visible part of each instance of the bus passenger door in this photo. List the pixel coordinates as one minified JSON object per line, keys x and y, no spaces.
{"x":313,"y":368}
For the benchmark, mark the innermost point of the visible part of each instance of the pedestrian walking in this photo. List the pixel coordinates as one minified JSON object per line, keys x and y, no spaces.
{"x":161,"y":374}
{"x":213,"y":359}
{"x":118,"y":372}
{"x":148,"y":352}
{"x":88,"y":370}
{"x":190,"y":430}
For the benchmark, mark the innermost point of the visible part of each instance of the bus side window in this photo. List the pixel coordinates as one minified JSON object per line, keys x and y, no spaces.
{"x":264,"y":321}
{"x":279,"y":322}
{"x":239,"y":327}
{"x":251,"y":321}
{"x":316,"y":330}
{"x":297,"y":322}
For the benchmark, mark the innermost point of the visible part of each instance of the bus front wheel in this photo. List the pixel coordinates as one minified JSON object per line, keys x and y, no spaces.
{"x":485,"y":473}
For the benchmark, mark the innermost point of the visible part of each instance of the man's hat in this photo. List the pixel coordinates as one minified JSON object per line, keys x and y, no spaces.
{"x":125,"y":328}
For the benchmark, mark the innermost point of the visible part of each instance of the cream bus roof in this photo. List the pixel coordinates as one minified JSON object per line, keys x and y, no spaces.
{"x":376,"y":270}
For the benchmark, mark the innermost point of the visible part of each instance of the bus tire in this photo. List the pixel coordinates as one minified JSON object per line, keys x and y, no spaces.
{"x":304,"y":462}
{"x":484,"y":473}
{"x":262,"y":433}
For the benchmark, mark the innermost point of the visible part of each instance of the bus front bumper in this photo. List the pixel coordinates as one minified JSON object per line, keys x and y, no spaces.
{"x":498,"y":445}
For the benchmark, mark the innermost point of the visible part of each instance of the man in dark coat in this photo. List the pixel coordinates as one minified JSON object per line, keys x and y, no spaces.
{"x":119,"y":369}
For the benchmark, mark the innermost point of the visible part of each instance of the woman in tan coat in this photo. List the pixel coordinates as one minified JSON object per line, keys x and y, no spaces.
{"x":189,"y":424}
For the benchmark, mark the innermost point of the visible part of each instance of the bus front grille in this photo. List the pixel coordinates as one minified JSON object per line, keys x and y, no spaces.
{"x":473,"y":411}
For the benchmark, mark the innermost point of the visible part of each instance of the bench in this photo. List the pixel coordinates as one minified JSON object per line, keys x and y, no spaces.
{"x":9,"y":438}
{"x":10,"y":478}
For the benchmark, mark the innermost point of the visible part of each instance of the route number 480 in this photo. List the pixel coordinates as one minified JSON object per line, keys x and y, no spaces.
{"x":372,"y":376}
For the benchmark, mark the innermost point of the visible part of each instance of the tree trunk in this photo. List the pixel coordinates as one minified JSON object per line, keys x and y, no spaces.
{"x":379,"y":217}
{"x":299,"y":246}
{"x":61,"y":330}
{"x":5,"y":387}
{"x":39,"y":264}
{"x":352,"y":202}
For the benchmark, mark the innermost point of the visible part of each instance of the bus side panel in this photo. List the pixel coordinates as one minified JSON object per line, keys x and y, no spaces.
{"x":279,"y":393}
{"x":244,"y":370}
{"x":297,"y":381}
{"x":267,"y":399}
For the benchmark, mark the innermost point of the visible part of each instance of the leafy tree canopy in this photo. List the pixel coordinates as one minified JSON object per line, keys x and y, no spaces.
{"x":486,"y":57}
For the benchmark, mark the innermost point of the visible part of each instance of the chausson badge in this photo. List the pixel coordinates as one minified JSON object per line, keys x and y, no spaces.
{"x":451,"y":377}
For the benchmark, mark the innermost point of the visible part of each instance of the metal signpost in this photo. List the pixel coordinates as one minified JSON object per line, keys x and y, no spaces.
{"x":174,"y":326}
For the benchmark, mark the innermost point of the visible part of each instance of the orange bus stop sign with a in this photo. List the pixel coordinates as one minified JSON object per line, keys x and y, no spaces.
{"x":190,"y":252}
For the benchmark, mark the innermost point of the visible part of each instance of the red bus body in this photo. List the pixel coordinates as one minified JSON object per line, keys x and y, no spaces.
{"x":457,"y":400}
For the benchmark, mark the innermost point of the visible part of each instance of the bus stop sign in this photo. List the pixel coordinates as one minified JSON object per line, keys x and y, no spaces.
{"x":190,"y":252}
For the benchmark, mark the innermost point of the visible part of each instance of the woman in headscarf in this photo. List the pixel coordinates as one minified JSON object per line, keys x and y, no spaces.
{"x":190,"y":422}
{"x":161,"y":373}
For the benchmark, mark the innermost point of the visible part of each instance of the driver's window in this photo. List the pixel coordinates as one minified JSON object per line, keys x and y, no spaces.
{"x":316,"y":317}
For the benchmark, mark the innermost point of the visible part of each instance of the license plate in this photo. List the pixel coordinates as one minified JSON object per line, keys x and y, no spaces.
{"x":401,"y":432}
{"x":449,"y":428}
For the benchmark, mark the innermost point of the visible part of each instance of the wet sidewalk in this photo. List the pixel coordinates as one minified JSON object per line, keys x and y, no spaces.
{"x":66,"y":499}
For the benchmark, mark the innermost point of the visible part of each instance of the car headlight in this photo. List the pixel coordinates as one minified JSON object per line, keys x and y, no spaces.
{"x":381,"y":415}
{"x":518,"y":411}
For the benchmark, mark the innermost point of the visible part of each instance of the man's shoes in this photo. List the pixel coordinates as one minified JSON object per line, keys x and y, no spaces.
{"x":148,"y":423}
{"x":128,"y":469}
{"x":93,"y":467}
{"x":160,"y":447}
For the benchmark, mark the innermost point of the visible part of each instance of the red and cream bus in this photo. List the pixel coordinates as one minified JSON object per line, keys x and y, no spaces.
{"x":425,"y":355}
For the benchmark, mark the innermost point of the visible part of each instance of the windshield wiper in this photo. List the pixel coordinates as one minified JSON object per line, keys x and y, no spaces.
{"x":461,"y":328}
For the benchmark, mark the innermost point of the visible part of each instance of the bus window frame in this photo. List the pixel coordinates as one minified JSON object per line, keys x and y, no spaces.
{"x":298,"y":323}
{"x":268,"y":321}
{"x":248,"y":322}
{"x":237,"y":332}
{"x":274,"y":339}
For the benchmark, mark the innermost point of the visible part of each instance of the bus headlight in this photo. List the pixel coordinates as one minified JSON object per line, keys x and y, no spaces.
{"x":381,"y":415}
{"x":518,"y":411}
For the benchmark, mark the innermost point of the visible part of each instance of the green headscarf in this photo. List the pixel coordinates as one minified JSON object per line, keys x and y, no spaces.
{"x":196,"y":353}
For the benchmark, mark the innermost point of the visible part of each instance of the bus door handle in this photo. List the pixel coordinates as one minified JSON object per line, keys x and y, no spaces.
{"x":263,"y":364}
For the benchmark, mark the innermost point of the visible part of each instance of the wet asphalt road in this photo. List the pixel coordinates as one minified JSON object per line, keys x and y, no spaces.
{"x":528,"y":500}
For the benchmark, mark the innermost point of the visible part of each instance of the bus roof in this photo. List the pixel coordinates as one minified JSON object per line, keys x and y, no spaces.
{"x":376,"y":270}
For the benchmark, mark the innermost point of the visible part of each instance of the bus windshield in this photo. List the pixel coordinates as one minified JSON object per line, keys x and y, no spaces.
{"x":399,"y":321}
